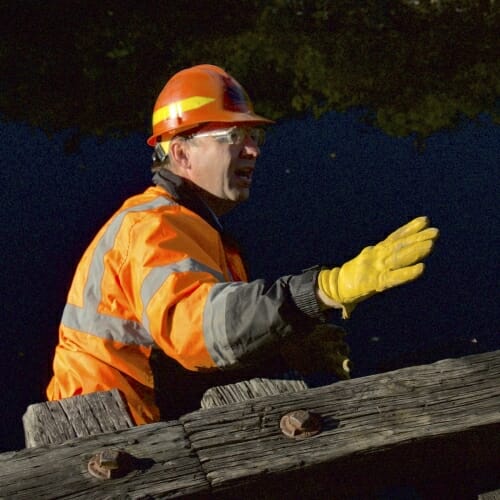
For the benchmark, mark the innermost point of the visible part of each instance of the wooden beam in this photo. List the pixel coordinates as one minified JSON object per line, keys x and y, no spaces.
{"x":54,"y":422}
{"x":490,"y":495}
{"x":250,"y":389}
{"x":164,"y":463}
{"x":435,"y":428}
{"x":430,"y":426}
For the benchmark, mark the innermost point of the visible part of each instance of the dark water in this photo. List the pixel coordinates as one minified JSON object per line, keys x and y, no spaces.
{"x":324,"y":190}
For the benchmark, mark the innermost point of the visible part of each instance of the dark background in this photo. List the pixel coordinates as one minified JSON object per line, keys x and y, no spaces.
{"x":324,"y":189}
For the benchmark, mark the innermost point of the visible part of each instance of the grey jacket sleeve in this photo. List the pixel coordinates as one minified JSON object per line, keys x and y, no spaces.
{"x":241,"y":318}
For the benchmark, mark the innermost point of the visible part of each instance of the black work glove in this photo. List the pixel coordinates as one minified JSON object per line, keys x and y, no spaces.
{"x":322,"y":351}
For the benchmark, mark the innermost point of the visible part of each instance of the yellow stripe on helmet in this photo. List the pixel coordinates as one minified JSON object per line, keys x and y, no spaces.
{"x":176,"y":109}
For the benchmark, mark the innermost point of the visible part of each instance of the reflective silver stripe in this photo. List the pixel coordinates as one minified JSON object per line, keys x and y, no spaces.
{"x":105,"y":326}
{"x":87,"y":318}
{"x":159,"y":275}
{"x":215,"y":324}
{"x":241,"y":318}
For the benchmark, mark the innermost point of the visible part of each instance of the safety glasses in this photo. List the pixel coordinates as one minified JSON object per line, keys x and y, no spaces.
{"x":234,"y":135}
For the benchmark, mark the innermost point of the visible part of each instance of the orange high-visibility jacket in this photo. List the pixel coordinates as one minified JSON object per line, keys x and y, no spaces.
{"x":159,"y":276}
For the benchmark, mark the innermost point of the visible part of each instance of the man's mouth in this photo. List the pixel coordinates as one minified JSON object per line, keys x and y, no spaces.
{"x":244,"y":173}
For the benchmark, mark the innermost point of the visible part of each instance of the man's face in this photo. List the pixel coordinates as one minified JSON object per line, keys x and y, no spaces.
{"x":222,"y":169}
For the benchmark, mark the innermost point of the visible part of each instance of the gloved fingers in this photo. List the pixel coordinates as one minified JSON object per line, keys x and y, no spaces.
{"x":337,"y":349}
{"x":412,"y":227}
{"x":339,"y":365}
{"x":327,"y":332}
{"x":337,"y":337}
{"x":431,"y":233}
{"x":347,"y":367}
{"x":309,"y":360}
{"x":332,"y":348}
{"x":327,"y":346}
{"x":409,"y":255}
{"x":390,"y":279}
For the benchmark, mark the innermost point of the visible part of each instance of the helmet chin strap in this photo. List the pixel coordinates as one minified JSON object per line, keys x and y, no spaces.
{"x":161,"y":151}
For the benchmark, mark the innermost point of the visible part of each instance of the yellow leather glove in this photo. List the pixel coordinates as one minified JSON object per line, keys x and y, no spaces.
{"x":392,"y":262}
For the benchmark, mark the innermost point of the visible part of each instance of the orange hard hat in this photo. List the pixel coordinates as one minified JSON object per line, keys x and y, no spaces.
{"x":200,"y":94}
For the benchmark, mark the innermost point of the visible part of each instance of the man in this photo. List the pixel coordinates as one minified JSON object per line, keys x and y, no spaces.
{"x":160,"y":306}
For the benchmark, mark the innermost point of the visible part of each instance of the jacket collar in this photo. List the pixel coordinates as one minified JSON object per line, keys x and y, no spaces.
{"x":185,"y":195}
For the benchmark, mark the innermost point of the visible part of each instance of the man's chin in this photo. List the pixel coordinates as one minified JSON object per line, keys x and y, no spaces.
{"x":242,"y":196}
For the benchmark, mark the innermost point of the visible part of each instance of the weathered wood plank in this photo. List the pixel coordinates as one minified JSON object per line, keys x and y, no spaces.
{"x":490,"y":495}
{"x":250,"y":389}
{"x":166,"y":467}
{"x":57,"y":421}
{"x":413,"y":425}
{"x":434,"y":427}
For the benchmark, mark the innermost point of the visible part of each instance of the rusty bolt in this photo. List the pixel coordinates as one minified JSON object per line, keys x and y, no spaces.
{"x":107,"y":464}
{"x":300,"y":424}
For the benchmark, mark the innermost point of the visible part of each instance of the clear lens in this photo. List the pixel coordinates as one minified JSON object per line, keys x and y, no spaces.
{"x":236,"y":135}
{"x":257,"y":135}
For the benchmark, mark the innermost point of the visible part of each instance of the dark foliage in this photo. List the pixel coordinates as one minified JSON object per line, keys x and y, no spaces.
{"x":417,"y":66}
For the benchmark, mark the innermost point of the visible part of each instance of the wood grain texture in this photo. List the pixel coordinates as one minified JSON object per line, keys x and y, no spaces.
{"x":432,"y":421}
{"x":54,"y":422}
{"x":434,"y":428}
{"x":166,"y":466}
{"x":249,"y":389}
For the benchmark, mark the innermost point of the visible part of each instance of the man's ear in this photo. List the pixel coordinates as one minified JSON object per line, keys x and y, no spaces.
{"x":179,"y":153}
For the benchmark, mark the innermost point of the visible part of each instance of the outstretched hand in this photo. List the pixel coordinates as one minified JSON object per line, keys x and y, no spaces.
{"x":392,"y":262}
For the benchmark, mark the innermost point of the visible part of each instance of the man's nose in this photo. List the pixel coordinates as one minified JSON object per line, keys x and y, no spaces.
{"x":250,"y":148}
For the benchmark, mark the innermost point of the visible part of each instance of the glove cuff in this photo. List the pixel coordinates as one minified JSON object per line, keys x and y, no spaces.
{"x":328,"y":284}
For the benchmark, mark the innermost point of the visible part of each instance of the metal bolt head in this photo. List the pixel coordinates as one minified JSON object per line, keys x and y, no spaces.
{"x":107,"y":464}
{"x":300,"y":424}
{"x":109,"y":459}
